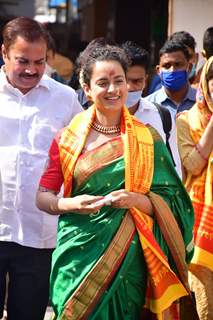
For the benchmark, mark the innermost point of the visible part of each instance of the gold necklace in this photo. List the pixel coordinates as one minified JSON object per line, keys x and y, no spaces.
{"x":106,"y":130}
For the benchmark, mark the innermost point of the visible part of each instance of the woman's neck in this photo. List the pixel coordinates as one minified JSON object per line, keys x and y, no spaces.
{"x":108,"y":119}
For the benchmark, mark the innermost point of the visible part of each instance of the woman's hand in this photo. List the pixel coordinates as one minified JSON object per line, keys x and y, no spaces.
{"x":47,"y":200}
{"x":123,"y":199}
{"x":83,"y":204}
{"x":205,"y":145}
{"x":126,"y":199}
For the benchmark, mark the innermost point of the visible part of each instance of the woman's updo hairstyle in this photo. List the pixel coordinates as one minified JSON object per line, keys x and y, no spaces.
{"x":101,"y":53}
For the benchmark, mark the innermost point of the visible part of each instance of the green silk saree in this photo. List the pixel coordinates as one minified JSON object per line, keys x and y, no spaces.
{"x":98,"y":258}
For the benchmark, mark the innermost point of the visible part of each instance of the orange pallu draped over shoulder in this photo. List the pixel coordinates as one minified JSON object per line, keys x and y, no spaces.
{"x":200,"y":187}
{"x":164,"y":287}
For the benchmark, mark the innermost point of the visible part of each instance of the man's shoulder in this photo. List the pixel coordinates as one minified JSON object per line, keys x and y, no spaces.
{"x":56,"y":86}
{"x":147,"y":104}
{"x":154,"y":97}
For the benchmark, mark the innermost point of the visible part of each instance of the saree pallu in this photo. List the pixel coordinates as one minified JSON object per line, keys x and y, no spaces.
{"x":201,"y":193}
{"x":200,"y":187}
{"x":109,"y":281}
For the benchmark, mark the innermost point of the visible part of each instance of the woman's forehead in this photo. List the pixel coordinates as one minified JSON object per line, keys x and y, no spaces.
{"x":112,"y":68}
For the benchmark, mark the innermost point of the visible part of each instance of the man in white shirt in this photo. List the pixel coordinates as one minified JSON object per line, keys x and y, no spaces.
{"x":33,"y":107}
{"x":142,"y":109}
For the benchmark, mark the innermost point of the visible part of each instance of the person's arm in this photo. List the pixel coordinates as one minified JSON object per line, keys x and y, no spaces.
{"x":194,"y":157}
{"x":47,"y":200}
{"x":205,"y":144}
{"x":50,"y":185}
{"x":126,"y":199}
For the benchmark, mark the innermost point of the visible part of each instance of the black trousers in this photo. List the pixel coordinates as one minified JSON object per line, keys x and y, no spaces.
{"x":28,"y":288}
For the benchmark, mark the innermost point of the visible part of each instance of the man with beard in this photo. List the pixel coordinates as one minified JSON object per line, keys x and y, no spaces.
{"x":33,"y":107}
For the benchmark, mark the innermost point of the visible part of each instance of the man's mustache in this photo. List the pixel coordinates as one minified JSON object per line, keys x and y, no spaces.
{"x":28,"y":75}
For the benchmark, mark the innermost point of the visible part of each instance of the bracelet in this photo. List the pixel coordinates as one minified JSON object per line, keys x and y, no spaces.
{"x":197,"y":147}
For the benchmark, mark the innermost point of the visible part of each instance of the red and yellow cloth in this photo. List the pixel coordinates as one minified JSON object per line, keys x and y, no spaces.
{"x":164,"y":286}
{"x":200,"y":186}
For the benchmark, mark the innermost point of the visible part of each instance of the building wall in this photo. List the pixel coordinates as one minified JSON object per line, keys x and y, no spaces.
{"x":194,"y":16}
{"x":142,"y":21}
{"x":94,"y":18}
{"x":18,"y":8}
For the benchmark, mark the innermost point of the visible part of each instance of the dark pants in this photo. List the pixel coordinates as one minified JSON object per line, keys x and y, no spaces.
{"x":28,"y":288}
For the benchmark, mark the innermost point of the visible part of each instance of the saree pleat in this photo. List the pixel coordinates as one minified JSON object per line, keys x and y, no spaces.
{"x":92,"y":239}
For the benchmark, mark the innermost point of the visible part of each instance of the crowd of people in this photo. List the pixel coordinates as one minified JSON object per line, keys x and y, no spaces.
{"x":106,"y":195}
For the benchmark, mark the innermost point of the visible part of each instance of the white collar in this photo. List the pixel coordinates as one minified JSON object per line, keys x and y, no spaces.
{"x":44,"y":82}
{"x":145,"y":104}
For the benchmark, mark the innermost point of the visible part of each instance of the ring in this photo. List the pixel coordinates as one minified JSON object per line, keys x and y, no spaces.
{"x":93,"y":214}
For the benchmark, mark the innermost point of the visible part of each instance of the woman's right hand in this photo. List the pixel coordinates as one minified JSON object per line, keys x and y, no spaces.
{"x":47,"y":200}
{"x":83,"y":204}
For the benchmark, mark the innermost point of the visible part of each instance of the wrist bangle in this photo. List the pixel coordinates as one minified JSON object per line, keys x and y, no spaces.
{"x":197,"y":147}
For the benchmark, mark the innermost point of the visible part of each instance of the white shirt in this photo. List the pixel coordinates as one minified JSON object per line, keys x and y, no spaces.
{"x":148,"y":114}
{"x":28,"y":124}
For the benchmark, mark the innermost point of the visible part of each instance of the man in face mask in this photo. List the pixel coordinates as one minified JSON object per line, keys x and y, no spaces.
{"x":137,"y":73}
{"x":189,"y":41}
{"x":176,"y":93}
{"x":142,"y":109}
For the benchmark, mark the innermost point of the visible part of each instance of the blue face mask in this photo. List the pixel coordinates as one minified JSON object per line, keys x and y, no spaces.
{"x":174,"y":80}
{"x":192,"y":73}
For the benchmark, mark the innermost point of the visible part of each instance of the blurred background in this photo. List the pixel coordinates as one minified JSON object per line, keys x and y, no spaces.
{"x":73,"y":23}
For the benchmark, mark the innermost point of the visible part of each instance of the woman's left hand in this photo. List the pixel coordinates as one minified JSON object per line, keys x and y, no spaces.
{"x":127,"y":199}
{"x":123,"y":199}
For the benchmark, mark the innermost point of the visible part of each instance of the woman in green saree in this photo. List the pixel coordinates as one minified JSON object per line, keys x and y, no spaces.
{"x":125,"y":225}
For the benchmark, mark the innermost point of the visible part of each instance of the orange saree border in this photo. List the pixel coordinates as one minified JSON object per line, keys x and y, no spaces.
{"x":164,"y":285}
{"x":88,"y":293}
{"x":203,"y":234}
{"x":172,"y":235}
{"x":200,"y":187}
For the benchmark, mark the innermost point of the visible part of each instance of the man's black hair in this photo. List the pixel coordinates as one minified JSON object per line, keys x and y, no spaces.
{"x":136,"y":54}
{"x":172,"y":45}
{"x":184,"y":37}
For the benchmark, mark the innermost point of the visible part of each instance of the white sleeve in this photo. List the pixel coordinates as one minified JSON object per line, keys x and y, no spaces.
{"x":73,"y":106}
{"x":76,"y":106}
